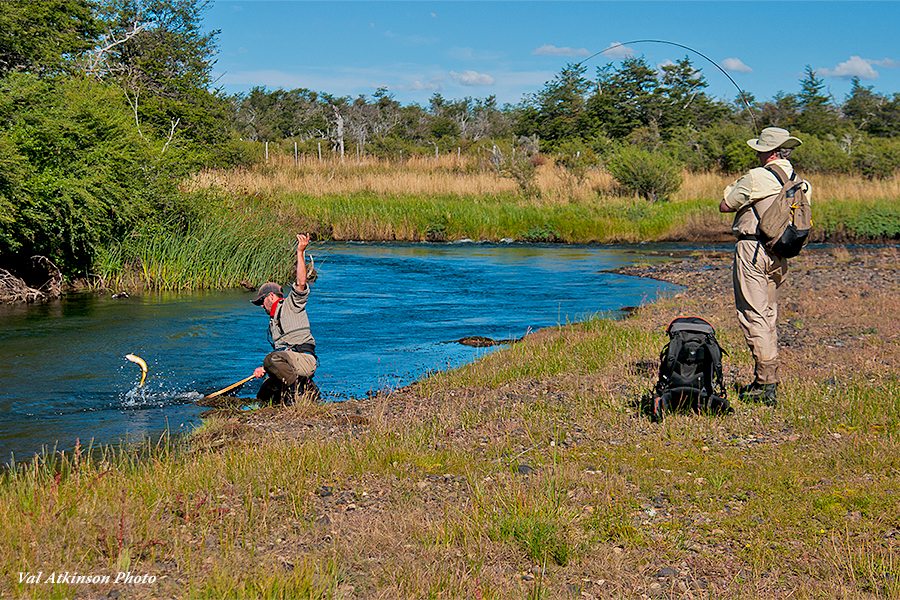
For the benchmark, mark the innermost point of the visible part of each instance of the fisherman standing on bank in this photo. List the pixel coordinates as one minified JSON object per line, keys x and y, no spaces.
{"x":292,"y":363}
{"x":758,"y":273}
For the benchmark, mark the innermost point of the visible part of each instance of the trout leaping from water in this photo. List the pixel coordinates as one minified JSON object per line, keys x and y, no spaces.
{"x":140,"y":362}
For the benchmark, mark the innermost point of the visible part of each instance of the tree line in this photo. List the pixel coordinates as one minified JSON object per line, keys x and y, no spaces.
{"x":632,"y":104}
{"x":105,"y":105}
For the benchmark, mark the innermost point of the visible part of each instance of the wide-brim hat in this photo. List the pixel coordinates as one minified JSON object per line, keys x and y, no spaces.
{"x":266,"y":289}
{"x":771,"y":138}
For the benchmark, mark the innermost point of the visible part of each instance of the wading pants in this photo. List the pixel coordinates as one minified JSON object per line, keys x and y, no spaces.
{"x":757,"y":276}
{"x":289,"y":373}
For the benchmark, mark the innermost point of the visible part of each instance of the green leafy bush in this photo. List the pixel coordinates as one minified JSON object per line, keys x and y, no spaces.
{"x":652,"y":175}
{"x":576,"y":158}
{"x":74,"y":171}
{"x":877,"y":158}
{"x":821,"y":156}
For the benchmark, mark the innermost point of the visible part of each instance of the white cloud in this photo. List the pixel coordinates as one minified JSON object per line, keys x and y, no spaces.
{"x":549,"y":50}
{"x":471,"y":78}
{"x":735,"y":65}
{"x":417,"y":86}
{"x":855,"y":67}
{"x":617,"y":50}
{"x":887,"y":63}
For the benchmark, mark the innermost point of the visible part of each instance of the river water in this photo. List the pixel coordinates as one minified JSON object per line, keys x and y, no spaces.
{"x":382,"y":314}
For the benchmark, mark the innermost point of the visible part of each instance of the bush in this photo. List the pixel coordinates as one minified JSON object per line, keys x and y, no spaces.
{"x":877,"y":158}
{"x":74,"y":171}
{"x":820,"y":156}
{"x":720,"y":148}
{"x":651,"y":175}
{"x":576,"y":158}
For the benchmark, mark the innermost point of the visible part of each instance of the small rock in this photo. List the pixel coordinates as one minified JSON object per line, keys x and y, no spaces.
{"x":525,"y":469}
{"x":667,"y":572}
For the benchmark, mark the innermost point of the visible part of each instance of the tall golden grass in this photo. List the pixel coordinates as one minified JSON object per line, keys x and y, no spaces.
{"x":473,"y":177}
{"x":446,"y":175}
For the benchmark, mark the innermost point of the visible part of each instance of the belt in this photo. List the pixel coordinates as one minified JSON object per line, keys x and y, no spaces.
{"x":306,"y":348}
{"x":749,"y":236}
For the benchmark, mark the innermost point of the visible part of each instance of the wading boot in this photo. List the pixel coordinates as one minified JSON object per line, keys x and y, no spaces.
{"x":758,"y":393}
{"x":270,"y":391}
{"x":307,"y":389}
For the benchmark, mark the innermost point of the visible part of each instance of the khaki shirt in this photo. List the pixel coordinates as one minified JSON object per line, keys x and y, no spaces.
{"x":757,"y":185}
{"x":289,"y":324}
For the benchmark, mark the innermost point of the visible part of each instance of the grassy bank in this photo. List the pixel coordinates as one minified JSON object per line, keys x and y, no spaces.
{"x":246,"y":218}
{"x":527,"y":474}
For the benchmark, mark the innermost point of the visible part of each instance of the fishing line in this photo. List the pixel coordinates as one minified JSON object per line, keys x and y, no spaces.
{"x":714,"y":63}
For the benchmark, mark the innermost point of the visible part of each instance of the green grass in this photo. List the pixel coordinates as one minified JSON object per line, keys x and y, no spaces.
{"x":214,"y":517}
{"x":866,"y":219}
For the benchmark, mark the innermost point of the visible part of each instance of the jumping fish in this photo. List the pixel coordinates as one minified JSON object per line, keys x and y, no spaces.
{"x":140,"y":362}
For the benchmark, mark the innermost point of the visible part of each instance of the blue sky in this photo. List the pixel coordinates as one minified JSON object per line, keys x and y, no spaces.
{"x":511,"y":49}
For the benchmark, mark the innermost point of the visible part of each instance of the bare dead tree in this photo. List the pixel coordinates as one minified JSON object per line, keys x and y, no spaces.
{"x":98,"y":56}
{"x":339,"y":134}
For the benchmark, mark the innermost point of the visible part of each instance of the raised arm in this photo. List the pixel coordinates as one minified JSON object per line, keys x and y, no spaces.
{"x":302,"y":243}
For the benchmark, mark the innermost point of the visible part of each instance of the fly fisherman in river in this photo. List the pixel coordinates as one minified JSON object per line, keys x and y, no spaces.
{"x":758,"y":273}
{"x":293,"y":362}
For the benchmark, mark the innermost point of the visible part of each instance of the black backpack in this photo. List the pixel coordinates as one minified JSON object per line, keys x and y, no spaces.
{"x":690,"y":371}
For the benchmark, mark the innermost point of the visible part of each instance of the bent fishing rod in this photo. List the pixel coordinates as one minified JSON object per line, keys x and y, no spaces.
{"x":697,"y":52}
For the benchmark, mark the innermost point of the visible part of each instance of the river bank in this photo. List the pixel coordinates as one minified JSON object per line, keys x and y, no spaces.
{"x":529,"y":473}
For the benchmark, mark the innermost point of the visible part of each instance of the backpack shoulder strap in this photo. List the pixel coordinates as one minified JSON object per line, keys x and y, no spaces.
{"x":780,"y":175}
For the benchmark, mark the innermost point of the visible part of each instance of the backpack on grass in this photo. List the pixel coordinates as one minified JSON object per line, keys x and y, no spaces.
{"x":690,"y":371}
{"x":784,"y":227}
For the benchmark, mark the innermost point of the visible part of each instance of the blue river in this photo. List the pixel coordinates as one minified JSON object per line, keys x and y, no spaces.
{"x":383,"y":315}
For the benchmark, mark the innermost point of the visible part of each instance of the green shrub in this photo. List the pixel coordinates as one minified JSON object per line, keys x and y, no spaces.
{"x":74,"y":168}
{"x":877,"y":158}
{"x":820,"y":156}
{"x":652,"y":175}
{"x":576,"y":158}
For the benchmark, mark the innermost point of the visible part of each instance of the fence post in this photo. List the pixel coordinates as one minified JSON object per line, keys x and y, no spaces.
{"x":267,"y":152}
{"x":296,"y":160}
{"x":320,"y":151}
